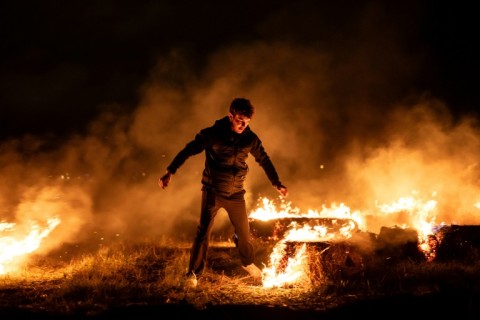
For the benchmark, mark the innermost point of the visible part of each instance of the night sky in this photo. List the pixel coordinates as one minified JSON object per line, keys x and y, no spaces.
{"x":63,"y":62}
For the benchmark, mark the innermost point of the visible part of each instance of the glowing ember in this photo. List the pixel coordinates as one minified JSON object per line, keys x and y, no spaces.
{"x":15,"y":246}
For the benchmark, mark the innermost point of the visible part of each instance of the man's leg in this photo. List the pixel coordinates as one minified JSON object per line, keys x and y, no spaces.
{"x":236,"y":209}
{"x":198,"y":253}
{"x":237,"y":212}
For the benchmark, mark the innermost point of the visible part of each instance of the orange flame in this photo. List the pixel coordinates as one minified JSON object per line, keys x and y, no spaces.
{"x":16,"y":246}
{"x":269,"y":212}
{"x":294,"y":272}
{"x":292,"y":268}
{"x":421,"y":216}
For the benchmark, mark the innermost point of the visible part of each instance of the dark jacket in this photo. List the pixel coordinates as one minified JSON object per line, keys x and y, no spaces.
{"x":226,"y":153}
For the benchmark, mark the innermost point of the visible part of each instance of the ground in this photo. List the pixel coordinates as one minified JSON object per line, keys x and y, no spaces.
{"x":225,"y":293}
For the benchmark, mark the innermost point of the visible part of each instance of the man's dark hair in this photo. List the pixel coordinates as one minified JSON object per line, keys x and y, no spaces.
{"x":243,"y":107}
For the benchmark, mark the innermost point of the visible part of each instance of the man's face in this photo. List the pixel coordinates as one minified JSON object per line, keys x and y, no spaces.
{"x":238,"y":122}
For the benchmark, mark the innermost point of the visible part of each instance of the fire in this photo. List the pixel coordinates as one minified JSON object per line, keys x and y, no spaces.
{"x":269,"y":212}
{"x":289,"y":261}
{"x":280,"y":274}
{"x":15,"y":246}
{"x":293,"y":268}
{"x":421,"y":217}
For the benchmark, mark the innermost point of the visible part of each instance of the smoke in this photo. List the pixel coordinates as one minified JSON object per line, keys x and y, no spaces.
{"x":341,"y":121}
{"x":426,"y":156}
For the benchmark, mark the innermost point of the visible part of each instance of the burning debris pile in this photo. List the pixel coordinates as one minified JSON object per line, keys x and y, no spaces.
{"x":311,"y":249}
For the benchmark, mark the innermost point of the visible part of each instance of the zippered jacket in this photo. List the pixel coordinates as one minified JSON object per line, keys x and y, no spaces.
{"x":226,"y":153}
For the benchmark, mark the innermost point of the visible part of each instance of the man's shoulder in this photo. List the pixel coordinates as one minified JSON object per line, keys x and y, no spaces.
{"x":219,"y":124}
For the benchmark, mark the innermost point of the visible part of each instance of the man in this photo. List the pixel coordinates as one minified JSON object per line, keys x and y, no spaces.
{"x":227,"y":145}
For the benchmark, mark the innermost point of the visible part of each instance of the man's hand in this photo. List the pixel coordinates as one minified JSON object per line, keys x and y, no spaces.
{"x":282,"y":189}
{"x":164,"y":180}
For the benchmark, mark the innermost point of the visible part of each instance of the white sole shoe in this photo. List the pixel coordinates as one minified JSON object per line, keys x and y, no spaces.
{"x":254,"y":271}
{"x":191,"y":281}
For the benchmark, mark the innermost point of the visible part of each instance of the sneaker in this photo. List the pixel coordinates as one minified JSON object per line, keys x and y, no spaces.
{"x":254,"y":271}
{"x":191,"y":281}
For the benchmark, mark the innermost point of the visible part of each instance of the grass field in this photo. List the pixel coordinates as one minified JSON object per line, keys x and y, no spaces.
{"x":145,"y":279}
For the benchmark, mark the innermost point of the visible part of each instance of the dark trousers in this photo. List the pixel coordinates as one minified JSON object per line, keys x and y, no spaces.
{"x":237,"y":213}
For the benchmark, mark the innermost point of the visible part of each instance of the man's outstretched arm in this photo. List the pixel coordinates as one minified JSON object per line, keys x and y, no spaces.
{"x":192,"y":148}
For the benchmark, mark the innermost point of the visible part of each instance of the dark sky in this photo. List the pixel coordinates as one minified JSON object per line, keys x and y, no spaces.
{"x":61,"y":62}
